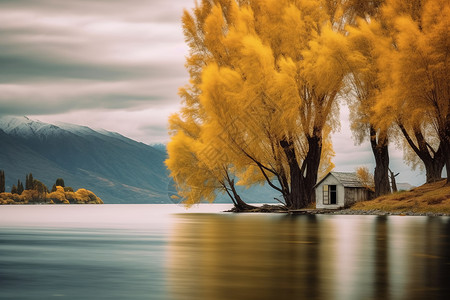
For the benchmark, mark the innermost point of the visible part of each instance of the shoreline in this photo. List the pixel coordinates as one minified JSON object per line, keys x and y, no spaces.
{"x":374,"y":212}
{"x":267,"y":208}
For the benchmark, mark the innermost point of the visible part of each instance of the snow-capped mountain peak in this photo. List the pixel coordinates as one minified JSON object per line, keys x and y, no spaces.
{"x":75,"y":129}
{"x":24,"y":126}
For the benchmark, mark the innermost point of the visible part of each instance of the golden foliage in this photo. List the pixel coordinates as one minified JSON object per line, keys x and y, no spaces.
{"x":416,"y":87}
{"x":429,"y":198}
{"x":261,"y":72}
{"x":82,"y":196}
{"x":365,"y":177}
{"x":269,"y":72}
{"x":197,"y":178}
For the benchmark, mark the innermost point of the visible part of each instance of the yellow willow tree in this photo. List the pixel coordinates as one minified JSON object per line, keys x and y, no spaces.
{"x":265,"y":76}
{"x":417,"y":95}
{"x":199,"y":170}
{"x":198,"y":167}
{"x":369,"y":46}
{"x":421,"y":145}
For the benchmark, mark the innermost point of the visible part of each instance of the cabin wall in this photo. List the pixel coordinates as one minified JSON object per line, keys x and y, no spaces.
{"x":340,"y":193}
{"x":353,"y":195}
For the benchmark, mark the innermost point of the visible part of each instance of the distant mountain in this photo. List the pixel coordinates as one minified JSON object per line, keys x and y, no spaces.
{"x":117,"y":169}
{"x":160,"y":147}
{"x":404,"y":186}
{"x":114,"y":167}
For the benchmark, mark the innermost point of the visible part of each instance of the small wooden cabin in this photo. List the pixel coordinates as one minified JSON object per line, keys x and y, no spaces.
{"x":339,"y":190}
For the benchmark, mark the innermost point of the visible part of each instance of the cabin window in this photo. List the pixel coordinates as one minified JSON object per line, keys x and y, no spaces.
{"x":329,"y":194}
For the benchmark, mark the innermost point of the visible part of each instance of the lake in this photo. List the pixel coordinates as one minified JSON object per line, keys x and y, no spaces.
{"x":167,"y":252}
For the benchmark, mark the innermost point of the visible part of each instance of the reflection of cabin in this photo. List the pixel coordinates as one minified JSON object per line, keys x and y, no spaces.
{"x":339,"y":189}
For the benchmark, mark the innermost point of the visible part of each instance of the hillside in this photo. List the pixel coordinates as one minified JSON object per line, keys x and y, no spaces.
{"x":428,"y":198}
{"x":116,"y":168}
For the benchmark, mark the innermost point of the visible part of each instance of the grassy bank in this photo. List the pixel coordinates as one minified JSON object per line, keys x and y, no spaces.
{"x":428,"y":198}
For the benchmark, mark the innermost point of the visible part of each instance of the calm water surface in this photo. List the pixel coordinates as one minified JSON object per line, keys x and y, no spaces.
{"x":166,"y":252}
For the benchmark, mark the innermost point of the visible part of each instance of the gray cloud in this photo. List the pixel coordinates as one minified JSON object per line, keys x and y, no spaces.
{"x":59,"y":56}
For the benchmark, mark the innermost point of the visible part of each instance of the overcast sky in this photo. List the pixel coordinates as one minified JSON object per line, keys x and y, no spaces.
{"x":111,"y":64}
{"x":115,"y":65}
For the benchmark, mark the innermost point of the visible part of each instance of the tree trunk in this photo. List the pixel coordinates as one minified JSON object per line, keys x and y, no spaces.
{"x":238,"y":203}
{"x":433,"y":163}
{"x":296,"y":193}
{"x":381,"y":153}
{"x":445,"y":139}
{"x":302,"y":192}
{"x":447,"y":159}
{"x":312,"y":166}
{"x":433,"y":168}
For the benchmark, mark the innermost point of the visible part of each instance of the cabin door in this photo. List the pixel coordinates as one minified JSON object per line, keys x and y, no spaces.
{"x":333,"y":194}
{"x":329,"y":194}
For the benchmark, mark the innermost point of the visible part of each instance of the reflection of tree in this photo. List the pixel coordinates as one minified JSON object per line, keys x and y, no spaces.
{"x":381,"y":245}
{"x":223,"y":257}
{"x":412,"y":258}
{"x":308,"y":257}
{"x":436,"y":258}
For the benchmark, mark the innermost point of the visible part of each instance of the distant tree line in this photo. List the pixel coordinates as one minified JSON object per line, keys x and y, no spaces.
{"x":32,"y":185}
{"x":37,"y":192}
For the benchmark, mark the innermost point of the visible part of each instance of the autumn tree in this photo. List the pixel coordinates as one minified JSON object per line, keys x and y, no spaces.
{"x":68,"y":189}
{"x":200,"y":170}
{"x":420,"y":142}
{"x":265,"y":76}
{"x":366,"y":177}
{"x":14,"y":189}
{"x":29,"y":182}
{"x":369,"y":45}
{"x":417,"y":98}
{"x":20,"y":188}
{"x":60,"y":182}
{"x":2,"y":181}
{"x":197,"y":165}
{"x":40,"y":189}
{"x":422,"y":147}
{"x":197,"y":162}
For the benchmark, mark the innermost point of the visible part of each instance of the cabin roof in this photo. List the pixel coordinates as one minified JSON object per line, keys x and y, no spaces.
{"x":347,"y":179}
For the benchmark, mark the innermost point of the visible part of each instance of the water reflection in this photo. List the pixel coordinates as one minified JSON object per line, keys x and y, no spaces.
{"x":308,"y":257}
{"x":147,"y":252}
{"x":80,"y":263}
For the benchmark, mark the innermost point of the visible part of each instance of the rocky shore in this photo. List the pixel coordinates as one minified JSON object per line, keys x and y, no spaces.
{"x":377,"y":212}
{"x":266,"y":208}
